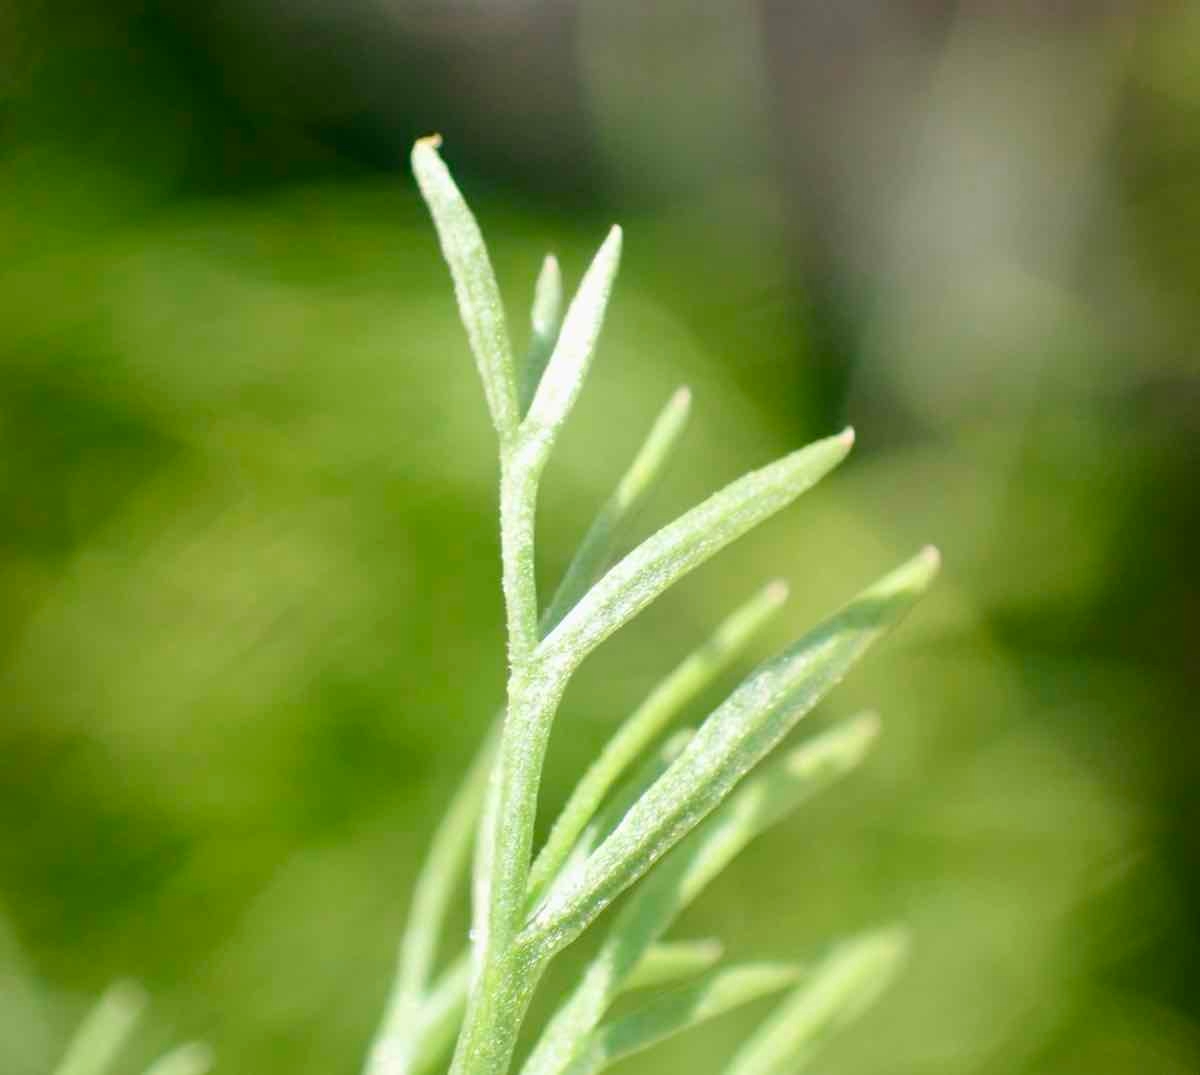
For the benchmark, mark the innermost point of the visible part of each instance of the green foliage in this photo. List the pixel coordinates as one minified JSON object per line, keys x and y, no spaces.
{"x":693,"y":804}
{"x":109,"y":1026}
{"x":247,"y":611}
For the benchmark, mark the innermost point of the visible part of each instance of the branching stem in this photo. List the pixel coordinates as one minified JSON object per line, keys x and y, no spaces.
{"x":509,"y":954}
{"x":504,"y":975}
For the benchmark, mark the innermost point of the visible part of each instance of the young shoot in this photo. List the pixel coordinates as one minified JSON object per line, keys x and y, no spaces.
{"x":661,"y":810}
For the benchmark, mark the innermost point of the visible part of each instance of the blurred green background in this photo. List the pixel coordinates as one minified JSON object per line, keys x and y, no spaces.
{"x":250,"y":628}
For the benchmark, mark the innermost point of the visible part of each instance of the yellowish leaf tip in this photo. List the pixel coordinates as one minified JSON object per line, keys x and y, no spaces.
{"x":868,"y":723}
{"x":921,"y":570}
{"x":196,"y":1055}
{"x":777,"y":591}
{"x":888,"y":945}
{"x":847,"y":436}
{"x":128,"y":994}
{"x":433,"y":141}
{"x":713,"y":947}
{"x":858,"y":733}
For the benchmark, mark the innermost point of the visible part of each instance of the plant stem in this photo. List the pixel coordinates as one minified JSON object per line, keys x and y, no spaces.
{"x":504,"y":974}
{"x":520,"y":469}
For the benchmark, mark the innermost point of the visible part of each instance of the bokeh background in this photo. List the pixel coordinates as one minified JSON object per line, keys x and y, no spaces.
{"x":250,"y":629}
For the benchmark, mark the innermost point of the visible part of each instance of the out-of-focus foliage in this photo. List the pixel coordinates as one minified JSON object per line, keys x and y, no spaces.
{"x":249,"y":610}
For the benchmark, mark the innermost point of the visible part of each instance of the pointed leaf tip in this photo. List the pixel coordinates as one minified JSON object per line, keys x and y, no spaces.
{"x":919,"y":572}
{"x":568,"y":365}
{"x":688,"y":542}
{"x":545,"y":321}
{"x":671,"y":1013}
{"x":195,"y":1058}
{"x":669,"y":962}
{"x":890,"y":943}
{"x":869,"y":725}
{"x":637,"y":483}
{"x":734,"y":738}
{"x":679,"y":406}
{"x":839,"y":989}
{"x":104,"y":1031}
{"x":547,"y":298}
{"x":836,"y":751}
{"x":475,"y":285}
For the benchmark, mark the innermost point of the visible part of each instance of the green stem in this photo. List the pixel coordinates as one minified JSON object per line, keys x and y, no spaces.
{"x":521,"y":467}
{"x":504,"y":974}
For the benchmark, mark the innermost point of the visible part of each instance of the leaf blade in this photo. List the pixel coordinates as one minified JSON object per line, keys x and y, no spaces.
{"x":444,"y":867}
{"x":191,"y":1059}
{"x":103,"y":1031}
{"x":645,"y":724}
{"x":685,"y":544}
{"x":438,"y":1022}
{"x":764,"y":799}
{"x":475,"y":287}
{"x":717,"y":993}
{"x":568,"y":365}
{"x":734,"y":738}
{"x":672,"y":961}
{"x":848,"y":981}
{"x":399,"y":1049}
{"x":545,"y":320}
{"x":618,"y":805}
{"x":635,"y":486}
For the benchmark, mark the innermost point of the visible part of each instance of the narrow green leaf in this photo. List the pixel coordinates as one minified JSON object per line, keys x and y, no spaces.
{"x":647,"y":722}
{"x":436,"y":1017}
{"x":450,"y":848}
{"x":596,"y":550}
{"x":717,"y":993}
{"x":545,"y":319}
{"x":685,"y":544}
{"x":765,"y":798}
{"x":487,"y":834}
{"x":438,"y":1021}
{"x":619,"y":804}
{"x":192,"y":1059}
{"x":737,"y":735}
{"x":567,"y":367}
{"x":444,"y":868}
{"x":474,"y":284}
{"x":671,"y":962}
{"x":104,"y":1031}
{"x":836,"y":992}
